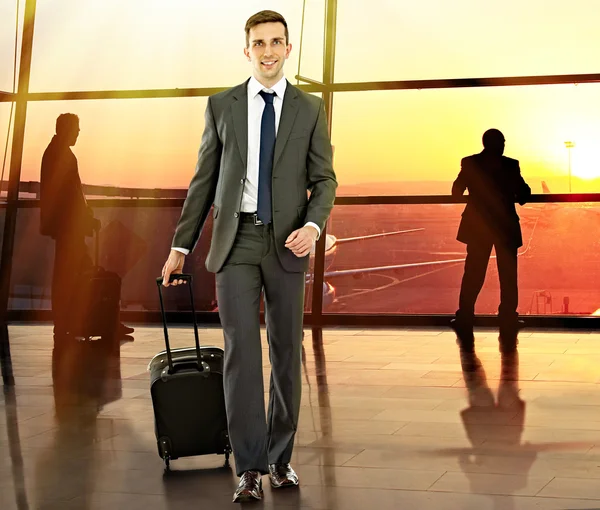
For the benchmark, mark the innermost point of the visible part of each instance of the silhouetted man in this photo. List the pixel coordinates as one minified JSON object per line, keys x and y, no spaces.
{"x":490,"y":219}
{"x":66,"y":217}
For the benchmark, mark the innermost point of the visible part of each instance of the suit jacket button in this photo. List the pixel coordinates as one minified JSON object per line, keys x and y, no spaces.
{"x":235,"y":215}
{"x":241,"y":181}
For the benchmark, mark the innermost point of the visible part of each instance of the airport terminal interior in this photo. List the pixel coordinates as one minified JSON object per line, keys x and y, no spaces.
{"x":386,"y":421}
{"x":393,"y":414}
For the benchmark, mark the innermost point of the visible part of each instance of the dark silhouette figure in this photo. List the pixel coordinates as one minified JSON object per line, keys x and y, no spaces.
{"x":66,"y":217}
{"x":86,"y":376}
{"x":494,"y":425}
{"x":490,"y":220}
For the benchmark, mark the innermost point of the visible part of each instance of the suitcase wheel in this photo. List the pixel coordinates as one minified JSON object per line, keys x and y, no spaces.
{"x":165,"y":451}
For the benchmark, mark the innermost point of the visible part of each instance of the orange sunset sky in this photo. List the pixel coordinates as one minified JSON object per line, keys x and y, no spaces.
{"x":378,"y":136}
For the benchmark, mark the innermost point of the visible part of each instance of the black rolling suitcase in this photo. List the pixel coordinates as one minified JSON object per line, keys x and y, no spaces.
{"x":187,"y":395}
{"x":99,"y":304}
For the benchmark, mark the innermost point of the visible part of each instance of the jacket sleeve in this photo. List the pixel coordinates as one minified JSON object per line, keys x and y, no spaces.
{"x":321,"y":176}
{"x":201,"y":193}
{"x":460,"y":184}
{"x":522,"y":189}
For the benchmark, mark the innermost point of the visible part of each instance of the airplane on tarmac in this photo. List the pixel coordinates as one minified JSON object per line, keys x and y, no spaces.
{"x":331,"y":248}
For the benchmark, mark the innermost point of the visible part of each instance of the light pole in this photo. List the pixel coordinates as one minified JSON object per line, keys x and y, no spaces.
{"x":569,"y":146}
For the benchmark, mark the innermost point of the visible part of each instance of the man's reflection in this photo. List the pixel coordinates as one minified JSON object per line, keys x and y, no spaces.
{"x":322,"y":406}
{"x":479,"y":393}
{"x":14,"y":448}
{"x":494,"y":427}
{"x":86,"y":376}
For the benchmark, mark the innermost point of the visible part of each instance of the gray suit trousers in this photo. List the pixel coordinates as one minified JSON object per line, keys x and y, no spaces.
{"x":251,"y":267}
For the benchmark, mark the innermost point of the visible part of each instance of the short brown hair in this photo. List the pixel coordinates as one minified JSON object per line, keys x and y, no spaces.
{"x":265,"y":17}
{"x":66,"y":122}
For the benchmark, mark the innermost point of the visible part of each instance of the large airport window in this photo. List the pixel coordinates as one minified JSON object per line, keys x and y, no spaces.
{"x":5,"y":149}
{"x":433,"y":39}
{"x":8,"y":18}
{"x":412,"y":141}
{"x":148,"y":44}
{"x":416,"y":267}
{"x":134,"y":143}
{"x":133,"y":242}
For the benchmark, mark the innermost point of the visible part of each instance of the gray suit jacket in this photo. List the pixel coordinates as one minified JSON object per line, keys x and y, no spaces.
{"x":302,"y":161}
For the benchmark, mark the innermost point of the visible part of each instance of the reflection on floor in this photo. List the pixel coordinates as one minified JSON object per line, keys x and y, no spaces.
{"x":388,"y":421}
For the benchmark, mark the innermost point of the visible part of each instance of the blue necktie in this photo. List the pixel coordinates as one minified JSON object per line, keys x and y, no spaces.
{"x":265,"y":164}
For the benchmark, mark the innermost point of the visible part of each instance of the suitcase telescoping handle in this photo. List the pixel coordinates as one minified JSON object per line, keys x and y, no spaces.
{"x":187,"y":278}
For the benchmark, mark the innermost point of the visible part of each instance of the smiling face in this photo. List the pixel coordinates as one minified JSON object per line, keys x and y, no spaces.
{"x":267,"y":50}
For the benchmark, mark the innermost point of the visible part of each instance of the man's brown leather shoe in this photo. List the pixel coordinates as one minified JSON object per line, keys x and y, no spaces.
{"x":282,"y":475}
{"x":249,"y":488}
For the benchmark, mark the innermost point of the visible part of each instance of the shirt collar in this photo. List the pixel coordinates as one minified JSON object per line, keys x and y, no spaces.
{"x":254,"y":87}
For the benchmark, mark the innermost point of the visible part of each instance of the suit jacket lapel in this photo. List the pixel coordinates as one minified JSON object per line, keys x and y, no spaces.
{"x":289,"y":111}
{"x":239,"y":112}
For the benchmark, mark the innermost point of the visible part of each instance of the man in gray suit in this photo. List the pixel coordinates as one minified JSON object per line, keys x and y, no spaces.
{"x":265,"y":144}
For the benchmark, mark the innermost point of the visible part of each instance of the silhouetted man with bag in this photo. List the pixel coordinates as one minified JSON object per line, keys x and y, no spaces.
{"x":66,"y":217}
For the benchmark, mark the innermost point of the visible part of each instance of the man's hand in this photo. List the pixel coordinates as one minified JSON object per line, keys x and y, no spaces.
{"x":174,"y":264}
{"x":301,"y":241}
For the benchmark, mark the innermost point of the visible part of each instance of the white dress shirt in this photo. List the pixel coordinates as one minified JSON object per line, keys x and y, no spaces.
{"x":256,"y":106}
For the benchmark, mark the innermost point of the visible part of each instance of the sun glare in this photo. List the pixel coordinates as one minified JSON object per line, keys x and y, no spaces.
{"x":585,"y":160}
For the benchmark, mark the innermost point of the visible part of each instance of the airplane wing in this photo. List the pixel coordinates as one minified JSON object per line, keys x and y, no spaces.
{"x":331,"y":241}
{"x":362,"y":270}
{"x":374,"y":236}
{"x":379,"y":269}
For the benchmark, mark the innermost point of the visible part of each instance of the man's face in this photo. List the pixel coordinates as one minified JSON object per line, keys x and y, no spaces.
{"x":73,"y":135}
{"x":267,"y":51}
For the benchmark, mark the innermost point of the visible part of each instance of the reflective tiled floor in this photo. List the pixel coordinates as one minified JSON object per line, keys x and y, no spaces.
{"x":386,"y":423}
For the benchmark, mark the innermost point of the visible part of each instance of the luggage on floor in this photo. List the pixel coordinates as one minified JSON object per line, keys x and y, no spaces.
{"x":98,"y":306}
{"x":187,"y":395}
